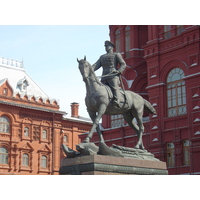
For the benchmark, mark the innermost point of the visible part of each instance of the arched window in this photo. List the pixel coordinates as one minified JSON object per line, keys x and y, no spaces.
{"x":5,"y":91}
{"x":4,"y":125}
{"x":186,"y":152}
{"x":26,"y":132}
{"x":176,"y":93}
{"x":117,"y":40}
{"x":44,"y":161}
{"x":65,"y":139}
{"x":3,"y":155}
{"x":127,"y":40}
{"x":170,"y":155}
{"x":25,"y":159}
{"x":44,"y":134}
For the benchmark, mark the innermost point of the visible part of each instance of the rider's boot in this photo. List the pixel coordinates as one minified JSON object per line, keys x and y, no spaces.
{"x":116,"y":103}
{"x":115,"y":98}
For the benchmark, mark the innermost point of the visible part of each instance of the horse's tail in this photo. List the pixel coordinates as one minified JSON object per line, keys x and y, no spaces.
{"x":148,"y":107}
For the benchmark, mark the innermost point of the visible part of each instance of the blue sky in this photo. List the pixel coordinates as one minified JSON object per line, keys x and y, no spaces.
{"x":49,"y":45}
{"x":50,"y":55}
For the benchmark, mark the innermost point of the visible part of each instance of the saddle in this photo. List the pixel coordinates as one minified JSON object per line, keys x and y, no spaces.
{"x":122,"y":96}
{"x":110,"y":94}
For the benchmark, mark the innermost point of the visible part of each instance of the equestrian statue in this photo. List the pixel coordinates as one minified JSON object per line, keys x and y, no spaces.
{"x":106,"y":97}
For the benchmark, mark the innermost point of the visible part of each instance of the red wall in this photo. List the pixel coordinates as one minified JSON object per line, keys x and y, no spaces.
{"x":151,"y":59}
{"x":37,"y":116}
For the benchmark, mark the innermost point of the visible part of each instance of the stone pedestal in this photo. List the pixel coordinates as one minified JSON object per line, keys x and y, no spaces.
{"x":110,"y":165}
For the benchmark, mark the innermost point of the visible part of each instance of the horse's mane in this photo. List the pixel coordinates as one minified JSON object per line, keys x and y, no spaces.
{"x":93,"y":73}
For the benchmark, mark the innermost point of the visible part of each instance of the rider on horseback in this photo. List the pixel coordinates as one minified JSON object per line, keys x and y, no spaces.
{"x":110,"y":76}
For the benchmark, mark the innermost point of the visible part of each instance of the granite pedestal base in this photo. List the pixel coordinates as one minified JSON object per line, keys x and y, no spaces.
{"x":110,"y":165}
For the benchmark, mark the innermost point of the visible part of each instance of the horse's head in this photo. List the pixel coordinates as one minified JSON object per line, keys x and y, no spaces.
{"x":84,"y":67}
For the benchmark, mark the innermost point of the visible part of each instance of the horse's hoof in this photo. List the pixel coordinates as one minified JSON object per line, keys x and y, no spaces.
{"x":142,"y":148}
{"x":136,"y":146}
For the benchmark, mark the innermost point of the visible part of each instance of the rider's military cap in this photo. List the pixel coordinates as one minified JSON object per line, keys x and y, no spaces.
{"x":107,"y":42}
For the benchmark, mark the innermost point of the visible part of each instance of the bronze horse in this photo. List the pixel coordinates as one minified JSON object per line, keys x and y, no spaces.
{"x":98,"y":103}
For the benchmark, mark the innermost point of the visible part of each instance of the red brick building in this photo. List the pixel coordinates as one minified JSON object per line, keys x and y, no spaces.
{"x":32,"y":128}
{"x":163,"y":66}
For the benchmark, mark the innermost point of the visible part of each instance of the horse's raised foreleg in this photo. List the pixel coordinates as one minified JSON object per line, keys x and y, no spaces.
{"x":96,"y":118}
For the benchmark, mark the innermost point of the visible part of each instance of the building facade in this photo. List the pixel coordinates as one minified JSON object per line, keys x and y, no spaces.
{"x":163,"y":66}
{"x":32,"y":128}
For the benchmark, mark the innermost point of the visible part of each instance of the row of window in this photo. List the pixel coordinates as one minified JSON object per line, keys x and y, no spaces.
{"x":167,"y":34}
{"x":25,"y":158}
{"x":44,"y":133}
{"x":26,"y":161}
{"x":171,"y":153}
{"x":176,"y":97}
{"x":5,"y":128}
{"x":168,"y":28}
